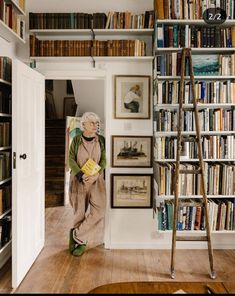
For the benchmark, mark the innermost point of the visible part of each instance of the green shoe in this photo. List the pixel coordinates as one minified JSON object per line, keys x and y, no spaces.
{"x":72,"y":242}
{"x":79,"y":250}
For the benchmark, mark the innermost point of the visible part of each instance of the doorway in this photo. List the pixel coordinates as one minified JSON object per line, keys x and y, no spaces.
{"x":66,"y":101}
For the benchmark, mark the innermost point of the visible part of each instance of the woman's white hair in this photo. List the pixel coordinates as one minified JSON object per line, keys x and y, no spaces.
{"x":87,"y":116}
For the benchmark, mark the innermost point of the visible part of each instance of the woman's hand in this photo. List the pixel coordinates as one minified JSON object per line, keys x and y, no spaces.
{"x":90,"y":179}
{"x":84,"y":177}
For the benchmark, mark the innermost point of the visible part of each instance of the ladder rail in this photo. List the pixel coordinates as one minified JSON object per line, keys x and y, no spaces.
{"x":186,"y":52}
{"x":176,"y":175}
{"x":200,"y":156}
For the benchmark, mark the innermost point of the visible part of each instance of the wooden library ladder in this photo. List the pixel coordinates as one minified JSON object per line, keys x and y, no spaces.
{"x":187,"y":55}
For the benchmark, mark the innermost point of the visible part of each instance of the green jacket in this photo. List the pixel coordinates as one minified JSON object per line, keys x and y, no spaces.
{"x":74,"y":150}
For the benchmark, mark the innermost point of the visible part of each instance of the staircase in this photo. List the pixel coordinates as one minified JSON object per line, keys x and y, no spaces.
{"x":55,"y":158}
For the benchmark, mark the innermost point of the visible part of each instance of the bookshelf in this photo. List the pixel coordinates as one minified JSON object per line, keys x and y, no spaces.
{"x":5,"y":160}
{"x":219,"y":140}
{"x":89,"y":59}
{"x":102,"y":32}
{"x":12,"y":23}
{"x":126,"y":36}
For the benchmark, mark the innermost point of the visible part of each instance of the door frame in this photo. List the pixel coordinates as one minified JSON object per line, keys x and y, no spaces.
{"x":88,"y":74}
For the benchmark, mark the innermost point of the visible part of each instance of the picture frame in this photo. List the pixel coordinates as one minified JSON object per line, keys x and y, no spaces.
{"x":50,"y":106}
{"x":131,"y":190}
{"x":132,"y":151}
{"x":70,"y":106}
{"x":132,"y":97}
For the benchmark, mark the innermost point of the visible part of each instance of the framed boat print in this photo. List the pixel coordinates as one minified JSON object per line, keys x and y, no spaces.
{"x":132,"y":97}
{"x":132,"y":151}
{"x":131,"y":191}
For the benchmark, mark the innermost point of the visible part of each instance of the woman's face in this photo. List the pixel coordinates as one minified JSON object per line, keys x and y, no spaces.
{"x":91,"y":126}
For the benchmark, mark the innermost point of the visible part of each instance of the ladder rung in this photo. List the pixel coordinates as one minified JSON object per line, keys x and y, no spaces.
{"x":191,"y":238}
{"x":189,"y":139}
{"x":190,"y":171}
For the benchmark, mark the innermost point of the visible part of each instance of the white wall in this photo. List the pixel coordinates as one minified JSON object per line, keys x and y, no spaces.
{"x":131,"y":228}
{"x":90,"y":95}
{"x":59,"y":93}
{"x":88,"y":5}
{"x":7,"y":49}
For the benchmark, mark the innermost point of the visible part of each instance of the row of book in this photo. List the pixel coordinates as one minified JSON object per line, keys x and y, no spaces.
{"x":5,"y":199}
{"x":210,"y":64}
{"x":127,"y":20}
{"x":210,"y":120}
{"x":193,"y":9}
{"x":11,"y":18}
{"x":213,"y":147}
{"x":5,"y":136}
{"x":194,"y":36}
{"x":86,"y":47}
{"x":191,"y":215}
{"x":5,"y":68}
{"x":168,"y":92}
{"x":5,"y":99}
{"x":5,"y":230}
{"x":80,"y":20}
{"x":220,"y":179}
{"x":5,"y":165}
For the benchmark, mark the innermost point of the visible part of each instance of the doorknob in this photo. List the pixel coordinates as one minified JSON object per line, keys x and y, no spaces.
{"x":23,"y":156}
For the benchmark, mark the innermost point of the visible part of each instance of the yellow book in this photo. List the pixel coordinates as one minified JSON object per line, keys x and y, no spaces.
{"x":90,"y":168}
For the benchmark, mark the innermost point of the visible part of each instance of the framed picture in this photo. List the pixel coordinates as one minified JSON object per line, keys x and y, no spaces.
{"x":131,"y":151}
{"x":132,"y":97}
{"x":131,"y":191}
{"x":50,"y":106}
{"x":70,"y":106}
{"x":69,"y":87}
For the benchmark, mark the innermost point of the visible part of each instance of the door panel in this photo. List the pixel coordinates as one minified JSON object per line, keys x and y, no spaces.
{"x":28,"y":178}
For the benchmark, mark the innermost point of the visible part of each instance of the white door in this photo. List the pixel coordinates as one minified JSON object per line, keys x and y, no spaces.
{"x":28,"y":177}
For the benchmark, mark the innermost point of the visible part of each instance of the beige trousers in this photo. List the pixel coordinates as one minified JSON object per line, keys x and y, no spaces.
{"x":89,"y":204}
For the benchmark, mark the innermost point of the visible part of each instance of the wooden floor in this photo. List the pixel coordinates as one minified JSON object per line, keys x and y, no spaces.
{"x":56,"y":271}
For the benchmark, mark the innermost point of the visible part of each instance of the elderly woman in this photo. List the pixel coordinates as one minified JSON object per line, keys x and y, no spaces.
{"x":87,"y":193}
